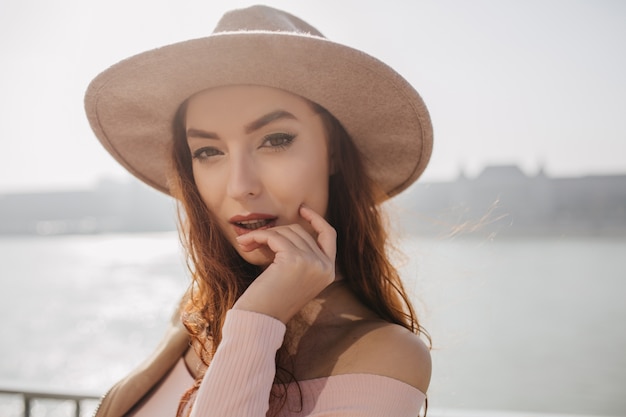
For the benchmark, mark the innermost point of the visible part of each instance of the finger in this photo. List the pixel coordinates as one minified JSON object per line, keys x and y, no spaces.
{"x":295,"y":234}
{"x":326,"y":234}
{"x":248,"y":246}
{"x":267,"y":237}
{"x":299,"y":237}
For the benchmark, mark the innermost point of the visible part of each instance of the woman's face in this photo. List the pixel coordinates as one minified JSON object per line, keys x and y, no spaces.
{"x":258,"y":154}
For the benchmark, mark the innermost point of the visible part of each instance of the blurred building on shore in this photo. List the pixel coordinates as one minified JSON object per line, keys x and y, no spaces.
{"x":502,"y":200}
{"x":506,"y":201}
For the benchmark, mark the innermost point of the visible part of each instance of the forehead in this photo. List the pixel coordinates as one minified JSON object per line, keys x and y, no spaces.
{"x":243,"y":102}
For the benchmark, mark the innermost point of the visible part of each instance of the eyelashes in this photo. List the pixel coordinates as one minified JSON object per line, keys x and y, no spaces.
{"x":278,"y":141}
{"x":273,"y":142}
{"x":205,"y":153}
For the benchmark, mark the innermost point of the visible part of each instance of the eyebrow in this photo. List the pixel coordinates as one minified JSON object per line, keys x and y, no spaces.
{"x":199,"y":133}
{"x":267,"y":119}
{"x":249,"y":128}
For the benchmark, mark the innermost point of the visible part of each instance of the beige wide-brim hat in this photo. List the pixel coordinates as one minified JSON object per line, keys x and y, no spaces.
{"x":131,"y":105}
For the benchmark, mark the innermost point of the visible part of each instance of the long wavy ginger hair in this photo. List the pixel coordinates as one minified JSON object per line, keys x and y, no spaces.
{"x":219,"y":275}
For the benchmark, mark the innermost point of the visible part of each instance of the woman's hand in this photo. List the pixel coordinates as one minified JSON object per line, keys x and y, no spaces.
{"x":302,"y":267}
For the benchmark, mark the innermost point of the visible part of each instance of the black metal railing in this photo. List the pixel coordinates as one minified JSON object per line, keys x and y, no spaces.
{"x":28,"y":396}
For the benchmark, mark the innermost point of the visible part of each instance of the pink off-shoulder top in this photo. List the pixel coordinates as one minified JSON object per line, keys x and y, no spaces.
{"x":239,"y":381}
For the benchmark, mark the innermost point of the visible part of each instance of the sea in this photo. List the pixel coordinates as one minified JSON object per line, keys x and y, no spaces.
{"x":519,"y":326}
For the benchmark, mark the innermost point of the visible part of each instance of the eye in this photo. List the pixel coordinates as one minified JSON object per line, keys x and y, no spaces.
{"x":277,"y":141}
{"x":205,"y":153}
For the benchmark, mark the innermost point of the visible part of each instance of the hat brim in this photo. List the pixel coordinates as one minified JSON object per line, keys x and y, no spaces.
{"x":131,"y":105}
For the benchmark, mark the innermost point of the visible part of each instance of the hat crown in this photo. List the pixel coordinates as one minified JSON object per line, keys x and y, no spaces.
{"x":263,"y":18}
{"x":131,"y":106}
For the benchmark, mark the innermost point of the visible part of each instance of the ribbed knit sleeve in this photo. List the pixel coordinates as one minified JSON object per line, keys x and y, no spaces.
{"x":239,"y":380}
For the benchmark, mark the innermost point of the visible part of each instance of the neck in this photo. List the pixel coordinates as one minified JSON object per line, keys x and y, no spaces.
{"x":321,"y":326}
{"x":335,"y":305}
{"x":321,"y":309}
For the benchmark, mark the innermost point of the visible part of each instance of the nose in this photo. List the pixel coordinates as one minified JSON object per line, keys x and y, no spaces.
{"x":243,"y":179}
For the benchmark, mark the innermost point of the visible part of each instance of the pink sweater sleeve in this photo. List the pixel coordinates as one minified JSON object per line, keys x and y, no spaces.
{"x":239,"y":380}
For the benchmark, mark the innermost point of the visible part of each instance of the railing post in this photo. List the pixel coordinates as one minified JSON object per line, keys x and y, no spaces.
{"x":26,"y":406}
{"x":29,"y":395}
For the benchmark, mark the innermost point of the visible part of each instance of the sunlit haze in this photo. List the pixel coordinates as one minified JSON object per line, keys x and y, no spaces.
{"x":535,"y":83}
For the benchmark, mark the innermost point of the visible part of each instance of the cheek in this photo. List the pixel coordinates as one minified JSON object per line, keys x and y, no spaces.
{"x":318,"y":176}
{"x":305,"y":183}
{"x":209,"y":190}
{"x":313,"y":181}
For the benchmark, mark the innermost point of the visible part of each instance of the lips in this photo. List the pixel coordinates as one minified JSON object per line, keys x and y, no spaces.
{"x":250,"y":222}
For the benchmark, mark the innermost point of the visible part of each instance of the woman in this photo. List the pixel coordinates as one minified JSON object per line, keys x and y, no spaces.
{"x":279,"y":146}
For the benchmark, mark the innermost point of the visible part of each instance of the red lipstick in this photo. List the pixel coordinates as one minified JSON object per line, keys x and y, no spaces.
{"x":255,"y":221}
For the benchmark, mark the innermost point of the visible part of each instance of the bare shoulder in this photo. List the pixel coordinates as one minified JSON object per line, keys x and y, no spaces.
{"x":390,"y":350}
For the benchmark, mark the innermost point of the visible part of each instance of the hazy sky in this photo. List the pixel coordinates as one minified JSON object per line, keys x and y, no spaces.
{"x":533,"y":82}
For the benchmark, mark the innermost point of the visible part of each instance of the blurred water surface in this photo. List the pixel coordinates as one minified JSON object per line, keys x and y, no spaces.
{"x":517,"y":324}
